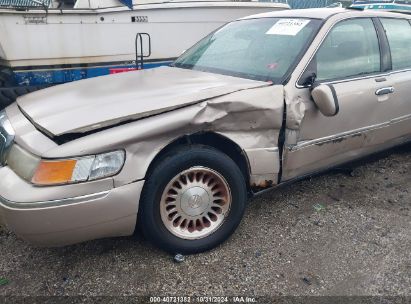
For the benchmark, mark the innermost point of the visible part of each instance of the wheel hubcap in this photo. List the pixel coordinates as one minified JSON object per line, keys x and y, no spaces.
{"x":195,"y":203}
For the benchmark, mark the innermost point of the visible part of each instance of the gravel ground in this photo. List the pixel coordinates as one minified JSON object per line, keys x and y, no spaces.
{"x":338,"y":234}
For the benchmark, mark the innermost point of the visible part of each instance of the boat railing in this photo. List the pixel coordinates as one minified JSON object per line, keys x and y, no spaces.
{"x":371,"y":1}
{"x":140,"y":48}
{"x":381,"y":1}
{"x":25,"y":3}
{"x":300,"y":4}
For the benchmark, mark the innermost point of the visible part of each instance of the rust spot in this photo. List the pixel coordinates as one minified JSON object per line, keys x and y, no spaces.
{"x":262,"y":185}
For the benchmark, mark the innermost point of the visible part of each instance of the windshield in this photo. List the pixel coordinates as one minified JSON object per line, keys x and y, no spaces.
{"x":262,"y":49}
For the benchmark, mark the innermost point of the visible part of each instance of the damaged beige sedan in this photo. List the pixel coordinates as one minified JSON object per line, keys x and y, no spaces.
{"x":177,"y":150}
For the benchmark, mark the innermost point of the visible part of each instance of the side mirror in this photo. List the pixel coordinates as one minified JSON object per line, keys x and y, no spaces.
{"x":326,"y":99}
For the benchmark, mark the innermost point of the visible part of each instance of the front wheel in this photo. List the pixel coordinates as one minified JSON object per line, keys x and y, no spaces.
{"x":193,"y":200}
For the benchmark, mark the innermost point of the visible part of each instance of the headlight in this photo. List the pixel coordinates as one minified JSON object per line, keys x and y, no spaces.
{"x":5,"y":123}
{"x":67,"y":171}
{"x":6,"y":137}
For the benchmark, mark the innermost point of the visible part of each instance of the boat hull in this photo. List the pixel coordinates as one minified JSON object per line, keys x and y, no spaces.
{"x":62,"y":46}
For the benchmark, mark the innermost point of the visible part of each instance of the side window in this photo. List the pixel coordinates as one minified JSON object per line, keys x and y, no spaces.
{"x":351,"y":48}
{"x":399,"y":37}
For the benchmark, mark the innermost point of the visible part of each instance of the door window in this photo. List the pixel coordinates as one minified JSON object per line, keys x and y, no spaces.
{"x":350,"y":49}
{"x":399,"y":37}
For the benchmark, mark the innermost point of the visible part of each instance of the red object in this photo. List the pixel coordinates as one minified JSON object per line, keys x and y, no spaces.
{"x":122,"y":70}
{"x":272,"y":66}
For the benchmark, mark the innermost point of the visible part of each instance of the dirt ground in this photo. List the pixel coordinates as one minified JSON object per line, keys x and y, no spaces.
{"x":342,"y":233}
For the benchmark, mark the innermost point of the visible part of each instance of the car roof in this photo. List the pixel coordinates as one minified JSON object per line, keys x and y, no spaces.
{"x":324,"y":13}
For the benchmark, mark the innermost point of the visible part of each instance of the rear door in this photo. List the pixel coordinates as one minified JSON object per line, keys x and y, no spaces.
{"x":397,"y":107}
{"x":350,"y":61}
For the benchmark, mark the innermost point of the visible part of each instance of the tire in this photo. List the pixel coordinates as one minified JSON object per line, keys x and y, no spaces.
{"x":213,"y":228}
{"x":9,"y":94}
{"x":9,"y":90}
{"x":6,"y":77}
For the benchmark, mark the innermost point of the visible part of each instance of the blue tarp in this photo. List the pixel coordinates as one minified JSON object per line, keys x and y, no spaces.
{"x":128,"y":3}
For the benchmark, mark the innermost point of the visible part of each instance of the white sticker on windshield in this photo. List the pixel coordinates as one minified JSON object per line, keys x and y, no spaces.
{"x":288,"y":27}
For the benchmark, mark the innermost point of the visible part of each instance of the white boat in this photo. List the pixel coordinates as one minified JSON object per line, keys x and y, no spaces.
{"x":46,"y":43}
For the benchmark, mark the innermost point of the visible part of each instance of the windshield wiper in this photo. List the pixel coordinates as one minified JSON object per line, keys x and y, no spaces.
{"x":182,"y":65}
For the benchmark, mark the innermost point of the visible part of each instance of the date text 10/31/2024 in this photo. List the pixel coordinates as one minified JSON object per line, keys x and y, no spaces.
{"x":203,"y":299}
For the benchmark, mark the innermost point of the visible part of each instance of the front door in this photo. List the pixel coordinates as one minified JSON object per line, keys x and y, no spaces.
{"x":349,"y":60}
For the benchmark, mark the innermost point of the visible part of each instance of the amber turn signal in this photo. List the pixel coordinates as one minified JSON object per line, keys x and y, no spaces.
{"x":76,"y":170}
{"x":54,"y":172}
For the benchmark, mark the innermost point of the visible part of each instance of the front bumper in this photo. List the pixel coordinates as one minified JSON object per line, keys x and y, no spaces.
{"x":65,"y":221}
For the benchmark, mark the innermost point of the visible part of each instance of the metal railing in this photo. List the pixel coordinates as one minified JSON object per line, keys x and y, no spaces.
{"x":139,"y":45}
{"x":310,"y":3}
{"x":25,"y":3}
{"x":296,"y":4}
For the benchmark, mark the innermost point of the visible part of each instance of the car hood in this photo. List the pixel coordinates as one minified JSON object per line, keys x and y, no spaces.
{"x":97,"y":103}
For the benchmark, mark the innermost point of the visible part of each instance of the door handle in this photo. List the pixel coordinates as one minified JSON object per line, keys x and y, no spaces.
{"x":384,"y":91}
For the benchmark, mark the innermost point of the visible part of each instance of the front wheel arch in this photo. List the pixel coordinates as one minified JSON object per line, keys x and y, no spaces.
{"x":208,"y":139}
